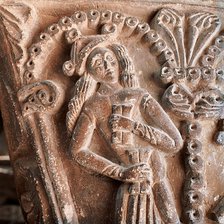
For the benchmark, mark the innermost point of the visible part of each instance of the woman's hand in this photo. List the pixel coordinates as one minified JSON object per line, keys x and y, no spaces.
{"x":119,"y":123}
{"x":137,"y":173}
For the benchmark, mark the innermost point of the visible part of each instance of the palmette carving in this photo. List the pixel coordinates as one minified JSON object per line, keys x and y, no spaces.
{"x":193,"y":92}
{"x":109,"y":112}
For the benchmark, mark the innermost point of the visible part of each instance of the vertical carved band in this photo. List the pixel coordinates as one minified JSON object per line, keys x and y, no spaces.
{"x":194,"y":187}
{"x":39,"y":101}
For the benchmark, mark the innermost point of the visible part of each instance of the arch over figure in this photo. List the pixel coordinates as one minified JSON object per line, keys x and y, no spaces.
{"x":109,"y":101}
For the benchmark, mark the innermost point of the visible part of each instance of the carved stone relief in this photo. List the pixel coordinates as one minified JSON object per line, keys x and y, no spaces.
{"x":113,"y":112}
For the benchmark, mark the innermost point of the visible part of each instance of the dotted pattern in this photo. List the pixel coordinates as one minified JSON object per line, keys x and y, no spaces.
{"x":204,"y":75}
{"x":213,"y":52}
{"x":193,"y":198}
{"x":39,"y":51}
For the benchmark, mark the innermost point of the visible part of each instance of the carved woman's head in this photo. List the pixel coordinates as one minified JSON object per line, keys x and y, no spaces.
{"x":110,"y":64}
{"x":103,"y":65}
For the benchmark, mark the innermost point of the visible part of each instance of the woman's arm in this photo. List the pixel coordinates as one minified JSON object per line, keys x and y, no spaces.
{"x":79,"y":149}
{"x":167,"y":138}
{"x":170,"y":138}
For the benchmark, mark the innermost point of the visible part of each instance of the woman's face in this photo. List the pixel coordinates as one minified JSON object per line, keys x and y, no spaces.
{"x":103,"y":65}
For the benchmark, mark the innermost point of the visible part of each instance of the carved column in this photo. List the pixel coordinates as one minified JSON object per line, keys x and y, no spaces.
{"x":113,"y":112}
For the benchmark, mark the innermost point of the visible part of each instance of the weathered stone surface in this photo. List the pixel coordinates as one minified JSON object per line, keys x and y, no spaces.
{"x":11,"y":214}
{"x":113,"y":111}
{"x":10,"y":211}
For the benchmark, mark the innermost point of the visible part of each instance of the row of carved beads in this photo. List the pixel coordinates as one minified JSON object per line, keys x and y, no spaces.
{"x":213,"y":52}
{"x":194,"y":182}
{"x":159,"y":48}
{"x":205,"y":74}
{"x":93,"y":19}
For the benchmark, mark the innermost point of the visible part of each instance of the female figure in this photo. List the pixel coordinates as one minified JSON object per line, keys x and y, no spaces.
{"x":120,"y":112}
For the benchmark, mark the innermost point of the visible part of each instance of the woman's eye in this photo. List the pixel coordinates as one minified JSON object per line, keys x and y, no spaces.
{"x":109,"y":58}
{"x":98,"y":62}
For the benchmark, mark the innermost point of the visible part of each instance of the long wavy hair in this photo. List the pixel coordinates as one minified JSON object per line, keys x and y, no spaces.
{"x":86,"y":85}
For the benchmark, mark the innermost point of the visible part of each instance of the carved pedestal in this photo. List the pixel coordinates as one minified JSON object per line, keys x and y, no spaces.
{"x":113,"y":111}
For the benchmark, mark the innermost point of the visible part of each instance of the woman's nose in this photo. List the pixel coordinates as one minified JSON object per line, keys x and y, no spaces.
{"x":106,"y":64}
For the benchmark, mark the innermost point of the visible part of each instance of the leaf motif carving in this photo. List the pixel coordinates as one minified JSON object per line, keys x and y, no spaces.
{"x":186,"y":35}
{"x":202,"y":29}
{"x":16,"y":28}
{"x":170,"y":23}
